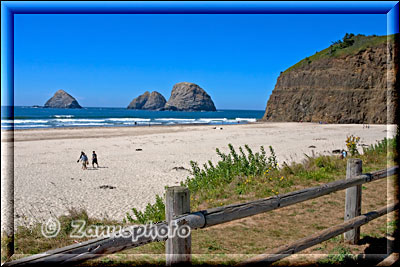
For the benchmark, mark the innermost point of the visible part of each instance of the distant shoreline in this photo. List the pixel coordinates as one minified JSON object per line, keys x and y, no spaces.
{"x":184,"y":125}
{"x":34,"y":118}
{"x":136,"y":126}
{"x":116,"y":131}
{"x":122,"y":129}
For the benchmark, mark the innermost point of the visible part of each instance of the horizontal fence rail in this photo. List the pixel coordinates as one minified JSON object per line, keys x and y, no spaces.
{"x":232,"y":212}
{"x":201,"y":219}
{"x":287,"y":250}
{"x":91,"y":249}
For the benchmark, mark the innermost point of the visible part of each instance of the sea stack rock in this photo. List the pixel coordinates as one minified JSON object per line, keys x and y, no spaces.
{"x":62,"y":99}
{"x":148,"y":101}
{"x":353,"y":84}
{"x":189,"y":97}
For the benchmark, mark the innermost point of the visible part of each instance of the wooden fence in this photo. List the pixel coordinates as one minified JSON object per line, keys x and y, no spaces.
{"x":178,"y":250}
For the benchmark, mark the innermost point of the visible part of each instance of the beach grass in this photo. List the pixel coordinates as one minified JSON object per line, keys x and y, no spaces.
{"x":247,"y":176}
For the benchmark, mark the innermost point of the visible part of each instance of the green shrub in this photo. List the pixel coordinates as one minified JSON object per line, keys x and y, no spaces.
{"x":152,"y":213}
{"x":342,"y":256}
{"x":230,"y":166}
{"x":382,"y":146}
{"x":73,"y":215}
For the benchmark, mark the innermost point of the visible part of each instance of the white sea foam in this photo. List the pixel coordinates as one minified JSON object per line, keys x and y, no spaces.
{"x":70,"y":120}
{"x":209,"y":120}
{"x":79,"y":120}
{"x":246,"y":119}
{"x":32,"y":125}
{"x":142,"y":123}
{"x":28,"y":121}
{"x":128,"y":119}
{"x":63,"y":116}
{"x":88,"y":124}
{"x":174,"y":119}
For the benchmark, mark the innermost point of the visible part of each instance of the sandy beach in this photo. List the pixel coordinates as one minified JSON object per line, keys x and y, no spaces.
{"x":138,"y":162}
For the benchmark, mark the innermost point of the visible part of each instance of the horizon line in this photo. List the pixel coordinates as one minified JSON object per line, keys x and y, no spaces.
{"x":40,"y":106}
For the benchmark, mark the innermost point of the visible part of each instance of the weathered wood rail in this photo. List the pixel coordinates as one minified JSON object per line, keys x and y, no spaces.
{"x":178,"y":250}
{"x":287,"y":250}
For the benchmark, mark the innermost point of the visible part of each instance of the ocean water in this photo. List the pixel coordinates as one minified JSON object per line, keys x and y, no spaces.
{"x":31,"y":117}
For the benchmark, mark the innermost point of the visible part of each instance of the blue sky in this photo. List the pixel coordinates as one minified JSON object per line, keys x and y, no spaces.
{"x":107,"y":60}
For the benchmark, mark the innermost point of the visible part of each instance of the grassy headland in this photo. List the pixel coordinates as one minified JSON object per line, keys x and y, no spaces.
{"x":350,"y":45}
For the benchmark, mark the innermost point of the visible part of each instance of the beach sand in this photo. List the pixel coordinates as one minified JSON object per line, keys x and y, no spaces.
{"x":140,"y":161}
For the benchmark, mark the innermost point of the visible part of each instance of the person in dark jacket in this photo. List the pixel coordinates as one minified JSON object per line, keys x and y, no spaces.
{"x":94,"y":159}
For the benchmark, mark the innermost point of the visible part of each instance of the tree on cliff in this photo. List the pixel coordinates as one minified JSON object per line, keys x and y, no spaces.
{"x":347,"y":40}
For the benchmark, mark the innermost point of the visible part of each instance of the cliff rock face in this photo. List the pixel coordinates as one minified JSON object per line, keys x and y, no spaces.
{"x":148,"y":101}
{"x":61,"y":99}
{"x":351,"y":88}
{"x":189,"y":97}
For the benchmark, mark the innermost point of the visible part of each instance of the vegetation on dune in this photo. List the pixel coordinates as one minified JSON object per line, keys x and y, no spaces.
{"x":246,"y":175}
{"x":30,"y":240}
{"x":235,"y":169}
{"x":340,"y":256}
{"x":152,"y":213}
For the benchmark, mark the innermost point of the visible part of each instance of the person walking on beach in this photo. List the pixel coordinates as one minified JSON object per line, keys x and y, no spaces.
{"x":94,"y":159}
{"x":84,"y":160}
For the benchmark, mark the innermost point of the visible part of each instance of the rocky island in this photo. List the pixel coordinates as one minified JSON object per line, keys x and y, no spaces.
{"x":352,"y":81}
{"x":62,"y":99}
{"x":187,"y":96}
{"x":148,"y":101}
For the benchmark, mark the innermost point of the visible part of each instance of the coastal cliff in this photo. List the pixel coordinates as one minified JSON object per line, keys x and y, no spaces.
{"x":352,"y":81}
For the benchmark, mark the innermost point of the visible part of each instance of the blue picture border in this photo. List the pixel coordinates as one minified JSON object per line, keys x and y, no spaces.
{"x":9,"y":8}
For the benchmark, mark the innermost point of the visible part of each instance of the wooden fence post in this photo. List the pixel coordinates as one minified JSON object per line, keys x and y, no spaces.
{"x":353,"y":200}
{"x":178,"y":250}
